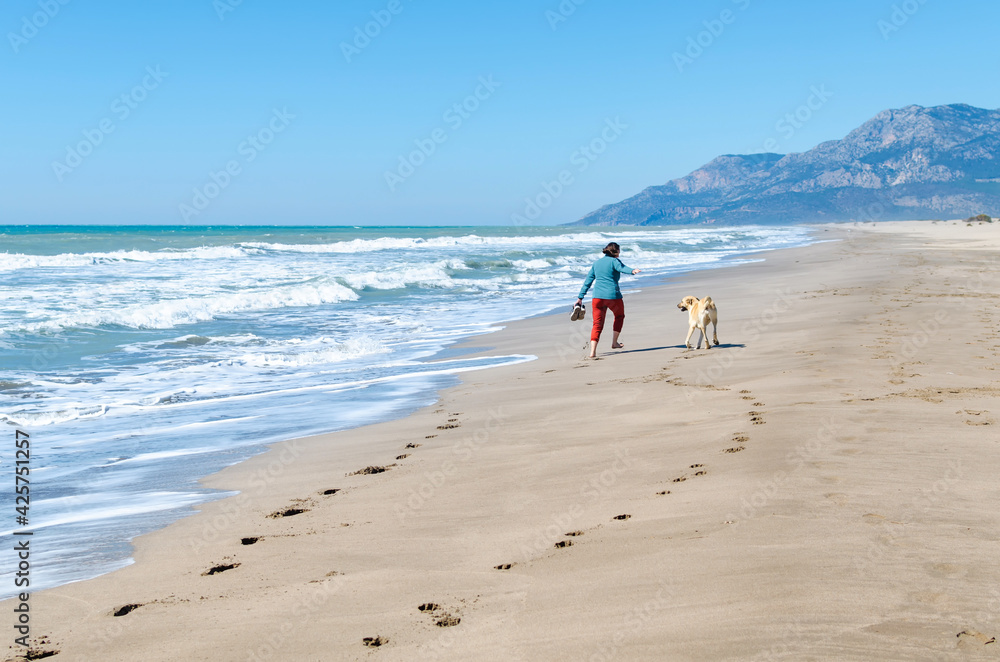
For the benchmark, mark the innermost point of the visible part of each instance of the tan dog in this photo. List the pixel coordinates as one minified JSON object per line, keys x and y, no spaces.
{"x":700,"y":313}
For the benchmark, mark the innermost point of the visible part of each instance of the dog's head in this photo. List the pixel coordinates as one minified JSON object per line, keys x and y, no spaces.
{"x":688,"y":302}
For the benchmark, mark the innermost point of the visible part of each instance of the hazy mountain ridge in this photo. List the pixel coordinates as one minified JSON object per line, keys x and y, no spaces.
{"x":908,"y":163}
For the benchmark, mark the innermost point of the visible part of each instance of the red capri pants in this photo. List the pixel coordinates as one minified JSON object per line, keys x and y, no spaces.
{"x":600,"y":307}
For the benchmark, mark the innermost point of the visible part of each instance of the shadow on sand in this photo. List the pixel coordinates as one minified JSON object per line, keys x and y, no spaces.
{"x":656,"y":349}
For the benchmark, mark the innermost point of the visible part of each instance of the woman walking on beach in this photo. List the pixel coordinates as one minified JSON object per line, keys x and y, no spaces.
{"x":604,"y":277}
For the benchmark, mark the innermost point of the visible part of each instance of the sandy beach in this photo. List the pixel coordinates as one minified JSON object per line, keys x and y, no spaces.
{"x":821,"y":486}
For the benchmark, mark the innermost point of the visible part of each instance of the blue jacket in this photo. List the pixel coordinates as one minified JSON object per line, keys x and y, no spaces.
{"x":604,"y":276}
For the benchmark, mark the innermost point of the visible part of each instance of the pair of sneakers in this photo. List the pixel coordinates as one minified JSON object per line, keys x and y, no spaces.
{"x":579,"y":312}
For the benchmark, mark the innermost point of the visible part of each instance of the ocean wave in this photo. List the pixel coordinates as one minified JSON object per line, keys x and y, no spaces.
{"x":110,"y":505}
{"x":41,"y":418}
{"x":435,"y":275}
{"x":170,"y":313}
{"x":351,"y":349}
{"x":14,"y":261}
{"x":418,"y":243}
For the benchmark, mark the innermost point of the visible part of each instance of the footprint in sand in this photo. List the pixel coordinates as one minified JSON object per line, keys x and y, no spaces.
{"x":374,"y":642}
{"x":970,"y":638}
{"x":680,"y":479}
{"x":573,"y":534}
{"x":330,"y":492}
{"x":287,"y":512}
{"x":696,"y":466}
{"x":734,"y":449}
{"x":504,"y":566}
{"x":443,"y":620}
{"x":121,"y":611}
{"x":663,"y":493}
{"x":447,"y":621}
{"x":224,"y":567}
{"x":249,"y":541}
{"x":563,"y":543}
{"x":403,"y":456}
{"x":838,"y":498}
{"x":411,"y":445}
{"x":621,"y":517}
{"x":368,"y":471}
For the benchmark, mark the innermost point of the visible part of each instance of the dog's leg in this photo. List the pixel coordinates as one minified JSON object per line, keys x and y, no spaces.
{"x":687,"y":341}
{"x":704,"y":334}
{"x":715,"y":332}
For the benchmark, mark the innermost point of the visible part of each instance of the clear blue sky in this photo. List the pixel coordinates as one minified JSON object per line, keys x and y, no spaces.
{"x":224,"y":73}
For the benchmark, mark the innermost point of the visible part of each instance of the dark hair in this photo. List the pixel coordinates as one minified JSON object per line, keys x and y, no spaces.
{"x":612,"y":248}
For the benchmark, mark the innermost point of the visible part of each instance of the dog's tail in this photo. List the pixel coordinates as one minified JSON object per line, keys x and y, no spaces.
{"x":708,"y":303}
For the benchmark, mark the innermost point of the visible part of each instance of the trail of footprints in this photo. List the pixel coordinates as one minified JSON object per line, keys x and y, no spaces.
{"x":439,"y":616}
{"x":299,"y":506}
{"x":756,"y":417}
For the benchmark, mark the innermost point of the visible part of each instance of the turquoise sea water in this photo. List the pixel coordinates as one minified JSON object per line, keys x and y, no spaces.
{"x":141,"y":358}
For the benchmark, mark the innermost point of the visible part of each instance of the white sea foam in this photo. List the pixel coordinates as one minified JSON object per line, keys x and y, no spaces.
{"x":160,"y":455}
{"x":352,"y":349}
{"x":108,"y":505}
{"x":13,"y":261}
{"x":29,"y":419}
{"x":435,"y":275}
{"x":175,"y":312}
{"x":472,"y":240}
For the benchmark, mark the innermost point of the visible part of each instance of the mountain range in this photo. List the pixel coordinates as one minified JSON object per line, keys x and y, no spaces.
{"x":911,"y":163}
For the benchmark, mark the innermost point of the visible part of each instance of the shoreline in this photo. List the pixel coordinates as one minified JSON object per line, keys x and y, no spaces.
{"x":523,"y":460}
{"x":61,"y":572}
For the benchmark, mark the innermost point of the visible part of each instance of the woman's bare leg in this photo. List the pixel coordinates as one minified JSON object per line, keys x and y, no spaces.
{"x":593,"y":349}
{"x":614,"y":341}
